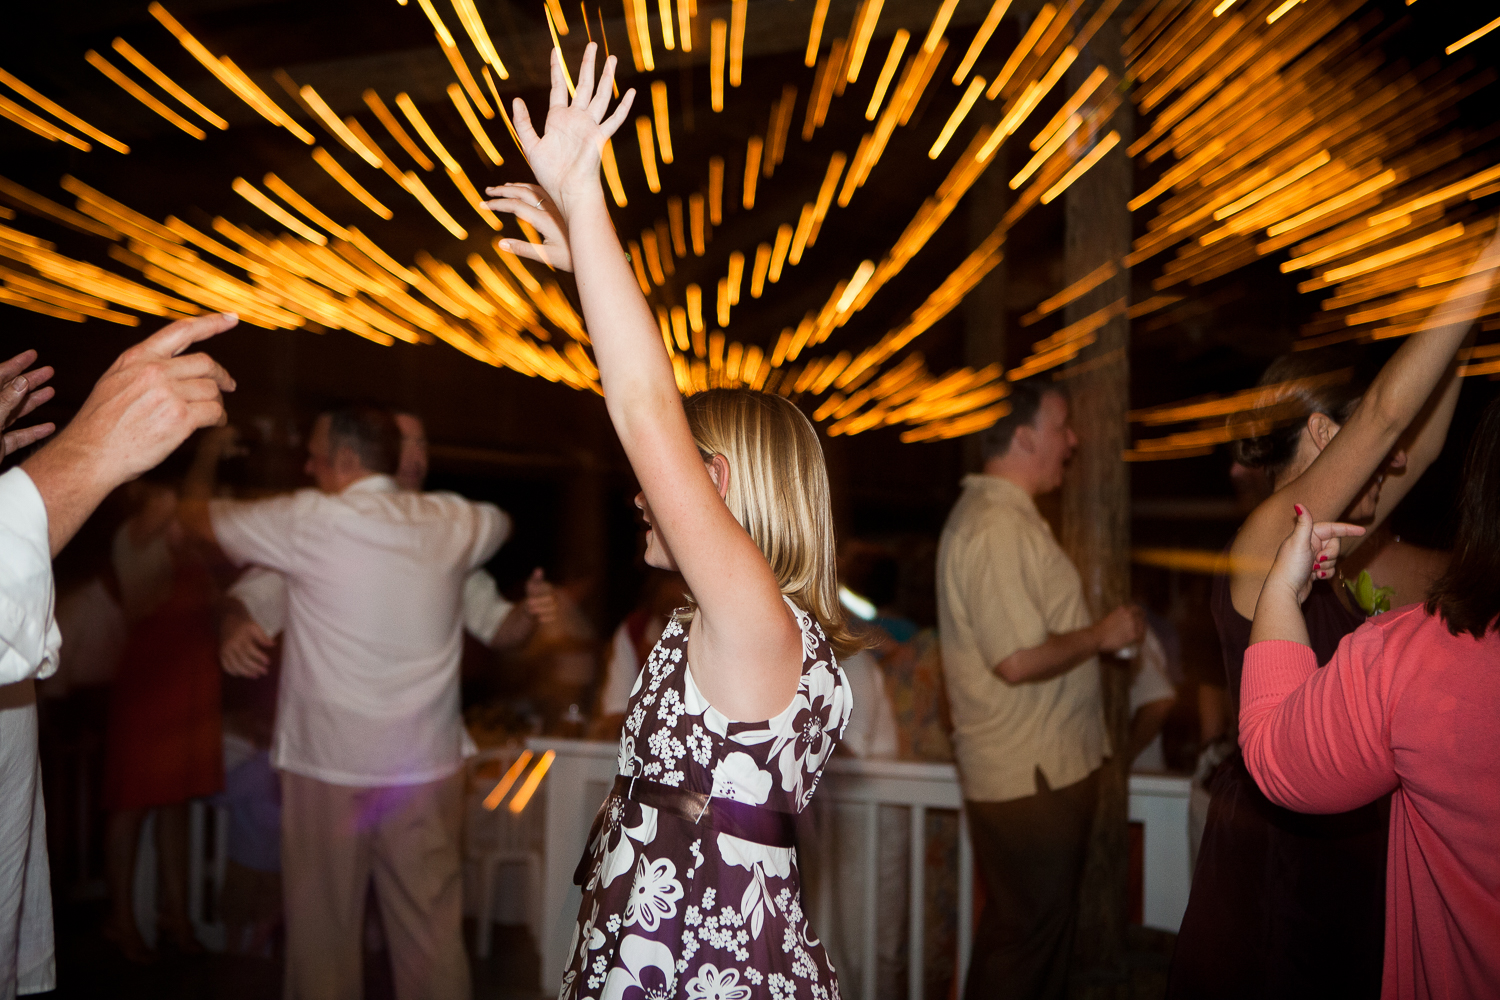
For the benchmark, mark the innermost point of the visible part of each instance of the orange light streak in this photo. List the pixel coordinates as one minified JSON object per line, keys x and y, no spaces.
{"x":753,"y":150}
{"x":888,"y":70}
{"x":612,"y":174}
{"x":1340,"y":247}
{"x":723,"y":302}
{"x":694,"y":297}
{"x":736,"y":276}
{"x":799,"y":238}
{"x":1070,"y":107}
{"x":434,"y":207}
{"x":638,"y":264}
{"x":474,"y":25}
{"x":1442,"y":194}
{"x":981,"y":39}
{"x":938,"y":26}
{"x":966,"y":102}
{"x":715,"y":198}
{"x":348,"y":183}
{"x":861,"y":35}
{"x":737,"y":11}
{"x":815,"y":33}
{"x":409,"y":109}
{"x":256,"y":197}
{"x":140,"y":93}
{"x":1286,"y":5}
{"x":677,"y":226}
{"x":1023,"y":48}
{"x":684,"y":23}
{"x":456,"y":95}
{"x":1081,"y":167}
{"x":40,"y":126}
{"x":648,"y":153}
{"x":166,"y":83}
{"x":302,"y":205}
{"x":665,"y":9}
{"x":1335,"y":203}
{"x":779,"y":252}
{"x":528,"y":787}
{"x":60,"y":112}
{"x":663,"y":118}
{"x":695,"y":224}
{"x":1473,"y":36}
{"x":340,"y":131}
{"x":1402,"y":252}
{"x":758,"y":273}
{"x":403,"y":139}
{"x":718,"y":31}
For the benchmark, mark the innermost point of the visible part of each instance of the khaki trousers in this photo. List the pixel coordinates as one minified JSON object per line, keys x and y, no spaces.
{"x":333,"y":840}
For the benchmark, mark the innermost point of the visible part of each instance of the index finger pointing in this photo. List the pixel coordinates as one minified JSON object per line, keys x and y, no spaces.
{"x":173,"y":339}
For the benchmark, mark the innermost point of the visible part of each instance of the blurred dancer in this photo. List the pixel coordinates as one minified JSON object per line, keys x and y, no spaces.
{"x":368,"y":735}
{"x":163,"y":741}
{"x":1284,"y":904}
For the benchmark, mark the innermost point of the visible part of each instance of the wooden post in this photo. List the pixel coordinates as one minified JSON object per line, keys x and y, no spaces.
{"x":1096,"y":498}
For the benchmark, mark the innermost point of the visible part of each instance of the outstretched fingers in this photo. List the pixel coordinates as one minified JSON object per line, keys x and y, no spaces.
{"x":521,"y":119}
{"x":558,"y":97}
{"x":14,"y":441}
{"x":612,"y":124}
{"x":16,"y":365}
{"x":599,"y":104}
{"x":583,"y":90}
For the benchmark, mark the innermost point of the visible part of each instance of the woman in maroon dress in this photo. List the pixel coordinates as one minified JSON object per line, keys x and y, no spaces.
{"x":163,"y":740}
{"x":1284,"y":904}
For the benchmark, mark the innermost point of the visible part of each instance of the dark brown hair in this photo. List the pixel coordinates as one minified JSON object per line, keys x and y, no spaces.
{"x":1025,"y":400}
{"x":1468,"y":595}
{"x":1304,"y":391}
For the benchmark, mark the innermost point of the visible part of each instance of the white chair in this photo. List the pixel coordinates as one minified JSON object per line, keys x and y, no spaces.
{"x":498,"y":838}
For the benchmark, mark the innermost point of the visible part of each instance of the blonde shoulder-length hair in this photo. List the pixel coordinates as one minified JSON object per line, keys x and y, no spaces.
{"x":778,"y":490}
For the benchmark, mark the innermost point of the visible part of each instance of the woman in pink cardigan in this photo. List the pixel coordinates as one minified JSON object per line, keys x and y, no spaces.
{"x":1409,"y":704}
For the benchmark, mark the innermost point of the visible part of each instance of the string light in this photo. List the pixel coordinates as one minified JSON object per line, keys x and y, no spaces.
{"x":815,"y":33}
{"x":715,"y":195}
{"x":758,"y":274}
{"x":409,"y":109}
{"x":718,"y":31}
{"x":981,"y":39}
{"x":58,"y":111}
{"x":648,"y":153}
{"x":663,"y":123}
{"x":970,"y":95}
{"x":456,"y":95}
{"x":753,"y":149}
{"x":166,"y":83}
{"x":737,"y":11}
{"x":135,"y":90}
{"x":888,"y":70}
{"x":695,"y":224}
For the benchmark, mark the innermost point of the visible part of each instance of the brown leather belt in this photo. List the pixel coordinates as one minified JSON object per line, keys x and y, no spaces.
{"x":757,"y":824}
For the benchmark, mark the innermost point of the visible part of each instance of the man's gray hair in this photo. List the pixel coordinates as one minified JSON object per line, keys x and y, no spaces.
{"x":372,"y":434}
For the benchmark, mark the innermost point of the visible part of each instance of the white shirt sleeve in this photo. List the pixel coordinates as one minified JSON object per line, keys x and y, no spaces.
{"x":484,"y":608}
{"x":29,"y":638}
{"x":263,"y":593}
{"x":258,"y":531}
{"x":1151,"y":682}
{"x":619,"y":674}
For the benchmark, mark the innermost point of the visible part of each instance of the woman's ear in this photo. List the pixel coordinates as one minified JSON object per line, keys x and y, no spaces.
{"x":1321,"y":428}
{"x":718,"y":471}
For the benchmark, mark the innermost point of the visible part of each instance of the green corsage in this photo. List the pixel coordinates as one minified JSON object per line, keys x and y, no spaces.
{"x":1372,"y":600}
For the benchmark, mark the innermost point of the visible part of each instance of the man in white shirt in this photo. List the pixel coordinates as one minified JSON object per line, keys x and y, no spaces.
{"x":256,"y":611}
{"x":368,"y":734}
{"x":139,"y":411}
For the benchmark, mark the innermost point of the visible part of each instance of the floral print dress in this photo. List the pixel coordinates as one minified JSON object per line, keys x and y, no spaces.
{"x":673,"y":909}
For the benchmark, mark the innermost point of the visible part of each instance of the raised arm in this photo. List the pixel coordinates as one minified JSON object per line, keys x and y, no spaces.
{"x":745,"y":647}
{"x":1408,"y":399}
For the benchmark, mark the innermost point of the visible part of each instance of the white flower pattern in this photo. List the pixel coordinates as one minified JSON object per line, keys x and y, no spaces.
{"x":703,"y":915}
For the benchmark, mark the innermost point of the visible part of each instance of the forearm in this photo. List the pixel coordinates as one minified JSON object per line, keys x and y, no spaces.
{"x":1278,"y":615}
{"x":71,"y":487}
{"x":1059,"y":654}
{"x":1407,"y":381}
{"x":633,"y":364}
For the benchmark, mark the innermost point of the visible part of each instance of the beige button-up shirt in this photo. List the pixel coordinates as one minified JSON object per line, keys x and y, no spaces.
{"x":1004,"y":584}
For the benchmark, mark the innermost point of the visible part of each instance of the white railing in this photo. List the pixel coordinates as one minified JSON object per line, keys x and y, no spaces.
{"x":583,"y":772}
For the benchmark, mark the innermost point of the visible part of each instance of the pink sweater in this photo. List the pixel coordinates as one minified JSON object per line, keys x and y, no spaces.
{"x":1403,"y":706}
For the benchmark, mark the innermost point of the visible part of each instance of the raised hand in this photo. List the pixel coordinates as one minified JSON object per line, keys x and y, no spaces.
{"x":541,"y":598}
{"x":565,"y":158}
{"x":530,"y":203}
{"x":140,"y":410}
{"x":1308,"y":553}
{"x":19,"y":395}
{"x":244,"y":647}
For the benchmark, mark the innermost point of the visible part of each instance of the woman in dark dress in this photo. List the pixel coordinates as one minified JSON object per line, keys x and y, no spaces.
{"x":1285,"y":904}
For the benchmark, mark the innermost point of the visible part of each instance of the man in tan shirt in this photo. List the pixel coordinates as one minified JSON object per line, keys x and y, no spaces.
{"x":1020,"y":656}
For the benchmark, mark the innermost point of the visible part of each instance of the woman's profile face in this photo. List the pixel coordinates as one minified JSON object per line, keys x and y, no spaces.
{"x":658,"y":556}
